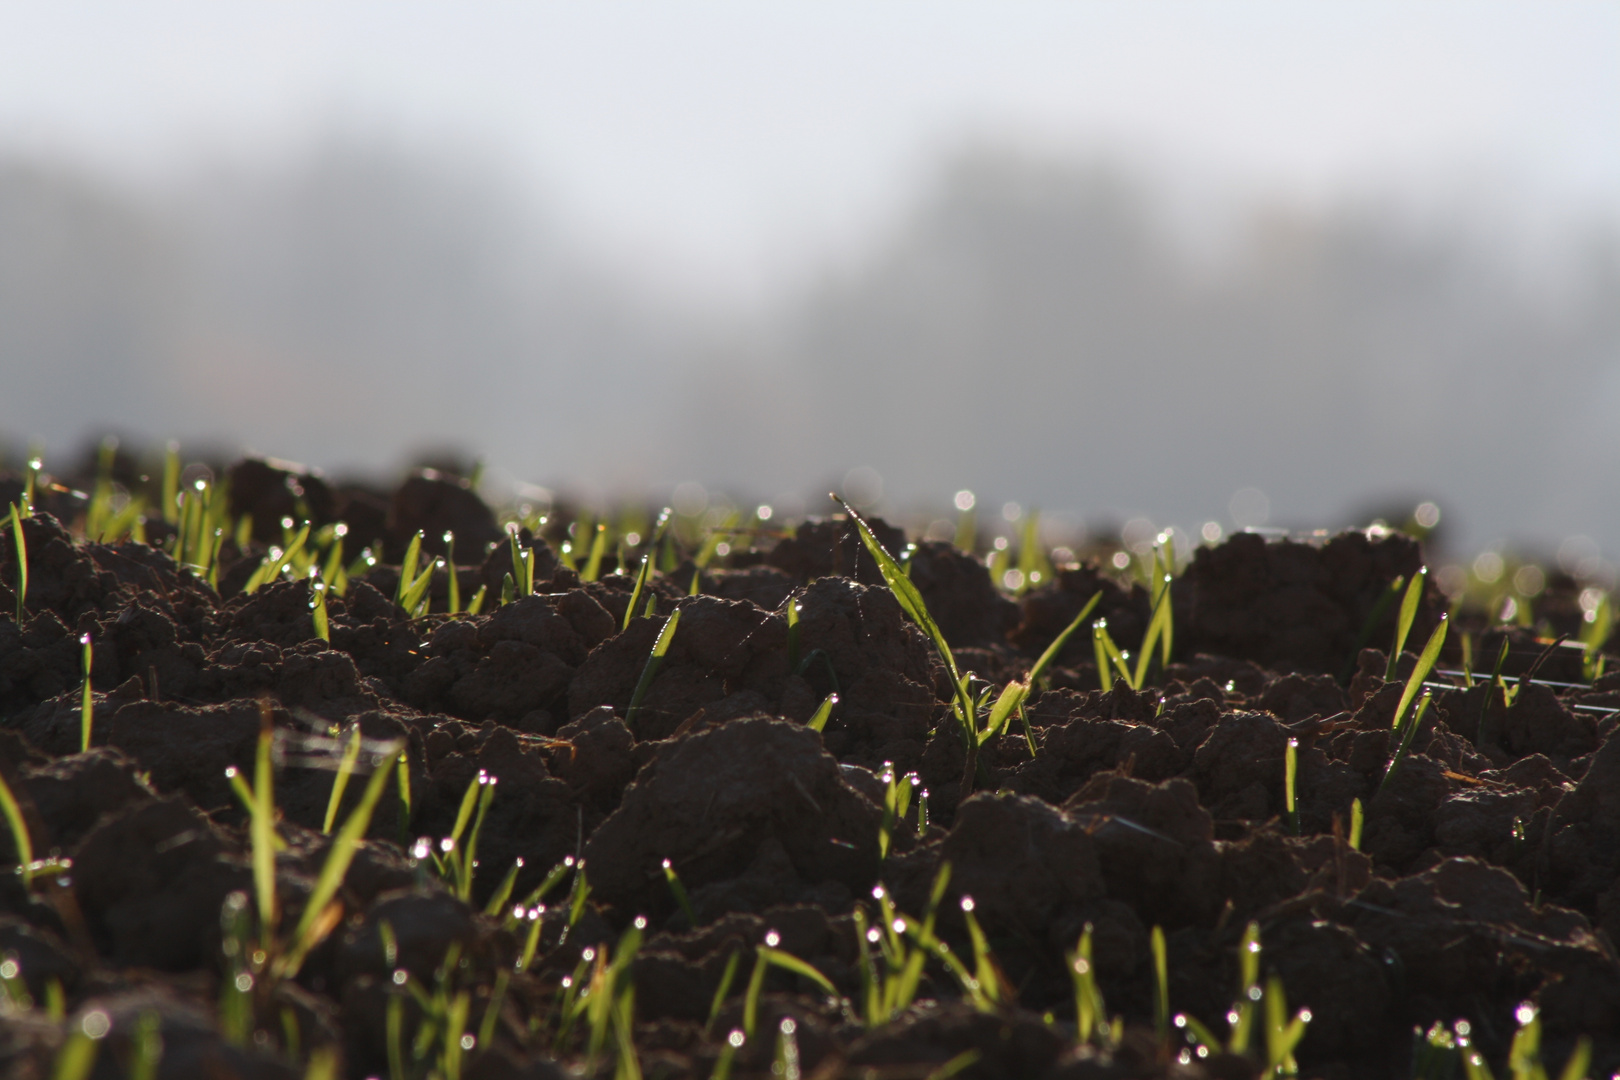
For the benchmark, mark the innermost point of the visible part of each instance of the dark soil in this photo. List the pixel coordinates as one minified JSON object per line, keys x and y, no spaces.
{"x":1488,"y":876}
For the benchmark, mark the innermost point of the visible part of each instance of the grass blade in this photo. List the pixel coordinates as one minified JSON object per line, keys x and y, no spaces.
{"x":911,"y":602}
{"x":593,"y":562}
{"x":407,"y":569}
{"x":1405,"y":746}
{"x":1374,"y":617}
{"x":1062,"y":639}
{"x":1290,"y":772}
{"x":20,"y":542}
{"x":87,"y":704}
{"x":1161,"y":987}
{"x":171,"y":481}
{"x":654,"y":662}
{"x":19,"y":829}
{"x":1425,"y":664}
{"x":316,"y":921}
{"x":788,"y":962}
{"x":823,"y":713}
{"x":644,"y":574}
{"x":351,"y":754}
{"x":450,"y":564}
{"x":1109,"y":659}
{"x":1403,"y":626}
{"x":262,"y":828}
{"x":1012,"y":696}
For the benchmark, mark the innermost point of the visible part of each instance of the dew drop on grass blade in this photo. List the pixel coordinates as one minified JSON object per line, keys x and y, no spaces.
{"x":87,"y":702}
{"x":818,"y":721}
{"x":450,"y":564}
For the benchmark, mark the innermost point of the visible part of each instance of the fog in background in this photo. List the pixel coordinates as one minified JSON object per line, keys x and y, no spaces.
{"x":1067,"y":322}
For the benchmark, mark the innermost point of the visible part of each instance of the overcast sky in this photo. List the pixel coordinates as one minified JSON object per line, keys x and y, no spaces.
{"x":714,"y":229}
{"x":726,"y":145}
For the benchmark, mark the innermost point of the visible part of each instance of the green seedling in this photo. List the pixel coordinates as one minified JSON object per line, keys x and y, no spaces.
{"x":532,"y":910}
{"x":171,"y":482}
{"x":454,"y":583}
{"x":1403,"y":625}
{"x":896,"y":801}
{"x":21,"y":843}
{"x":786,"y":1061}
{"x":36,"y":462}
{"x":793,"y":611}
{"x":101,"y":495}
{"x":1497,"y":680}
{"x":503,"y":891}
{"x":1161,"y":987}
{"x":1090,"y":1013}
{"x":1110,"y":661}
{"x":644,"y":574}
{"x":593,"y":562}
{"x":654,"y":662}
{"x":1290,"y":771}
{"x":727,"y":976}
{"x":402,"y":772}
{"x":20,"y":544}
{"x":1425,"y":664}
{"x":911,"y":601}
{"x":1282,"y":1032}
{"x":317,"y":608}
{"x":1014,"y":694}
{"x":823,"y":713}
{"x":905,"y":946}
{"x":1406,"y":734}
{"x":609,"y":1001}
{"x":1374,"y":617}
{"x":277,"y":561}
{"x":967,"y":527}
{"x":716,"y":538}
{"x":455,"y":860}
{"x":87,"y":703}
{"x":407,"y":570}
{"x":340,"y":779}
{"x":333,"y":571}
{"x":728,"y":1051}
{"x":1033,"y":565}
{"x":77,"y":1058}
{"x":1357,"y":819}
{"x":678,"y":891}
{"x":986,"y":975}
{"x":283,"y":956}
{"x":1596,"y":626}
{"x":768,"y":955}
{"x":1157,"y":639}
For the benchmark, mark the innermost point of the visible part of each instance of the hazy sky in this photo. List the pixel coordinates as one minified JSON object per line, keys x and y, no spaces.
{"x":725,"y":145}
